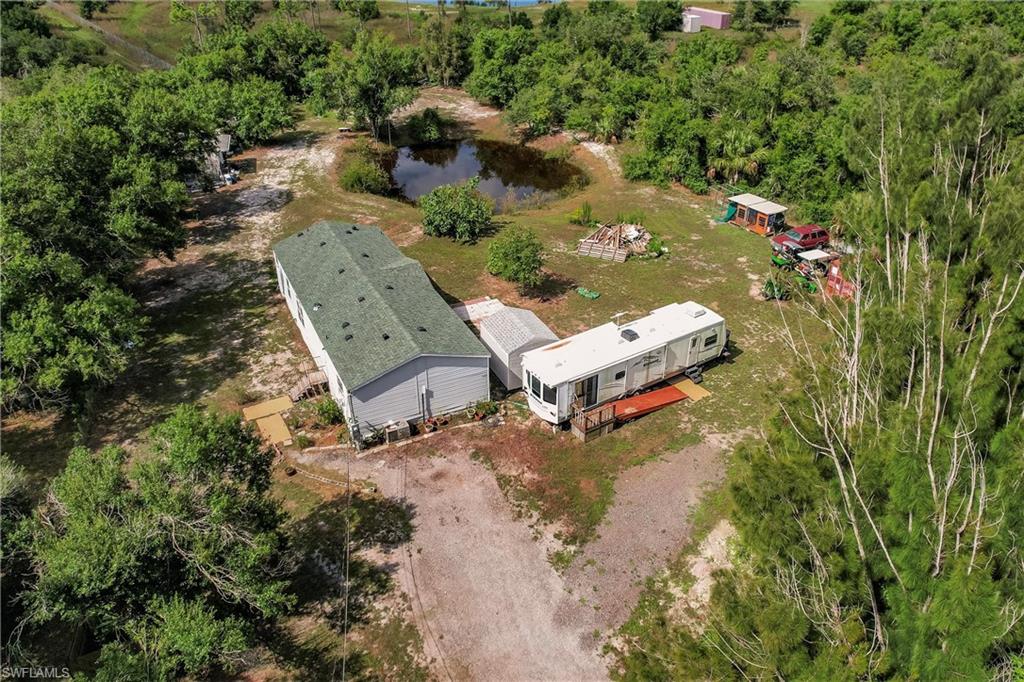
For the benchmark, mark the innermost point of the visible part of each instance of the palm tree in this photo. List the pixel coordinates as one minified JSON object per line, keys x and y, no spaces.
{"x":736,"y":153}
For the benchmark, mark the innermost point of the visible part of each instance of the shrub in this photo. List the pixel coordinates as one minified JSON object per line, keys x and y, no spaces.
{"x":630,"y":218}
{"x":428,"y":126}
{"x":363,"y":175}
{"x":459,"y":212}
{"x":655,"y":246}
{"x":582,"y":215}
{"x":517,"y":256}
{"x":328,"y":412}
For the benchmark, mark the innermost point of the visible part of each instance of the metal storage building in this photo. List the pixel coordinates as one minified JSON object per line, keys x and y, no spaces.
{"x":390,"y":346}
{"x":508,"y":334}
{"x":711,"y":18}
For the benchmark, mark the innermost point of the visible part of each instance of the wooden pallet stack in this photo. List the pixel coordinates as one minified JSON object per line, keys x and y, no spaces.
{"x":615,"y":242}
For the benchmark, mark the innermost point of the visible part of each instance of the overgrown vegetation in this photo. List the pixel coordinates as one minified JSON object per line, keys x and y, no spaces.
{"x":879,"y":520}
{"x":363,"y":170}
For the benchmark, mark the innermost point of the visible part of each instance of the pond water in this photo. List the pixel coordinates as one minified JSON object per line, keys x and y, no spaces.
{"x":502,"y":168}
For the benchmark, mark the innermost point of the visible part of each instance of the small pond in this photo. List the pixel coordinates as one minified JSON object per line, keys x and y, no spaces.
{"x":503,"y":169}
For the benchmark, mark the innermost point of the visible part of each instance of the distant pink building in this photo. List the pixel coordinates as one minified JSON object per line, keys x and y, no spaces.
{"x":712,"y":18}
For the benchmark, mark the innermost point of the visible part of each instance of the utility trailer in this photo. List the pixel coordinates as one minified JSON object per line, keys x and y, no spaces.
{"x":568,"y":377}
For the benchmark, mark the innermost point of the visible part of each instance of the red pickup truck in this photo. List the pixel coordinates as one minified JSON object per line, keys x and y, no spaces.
{"x":800,"y":238}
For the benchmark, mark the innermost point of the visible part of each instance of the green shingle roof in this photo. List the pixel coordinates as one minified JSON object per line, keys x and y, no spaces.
{"x":373,"y":308}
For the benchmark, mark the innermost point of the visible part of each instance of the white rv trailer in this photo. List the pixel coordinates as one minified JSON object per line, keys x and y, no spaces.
{"x":613,"y":360}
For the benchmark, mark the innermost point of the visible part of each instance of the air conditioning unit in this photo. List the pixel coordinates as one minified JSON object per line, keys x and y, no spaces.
{"x":396,"y":431}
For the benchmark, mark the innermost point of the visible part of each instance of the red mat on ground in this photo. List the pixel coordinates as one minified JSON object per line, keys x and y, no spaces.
{"x":639,"y":405}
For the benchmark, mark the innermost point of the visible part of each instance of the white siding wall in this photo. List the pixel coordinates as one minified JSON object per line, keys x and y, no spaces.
{"x":446,"y":383}
{"x":500,"y":361}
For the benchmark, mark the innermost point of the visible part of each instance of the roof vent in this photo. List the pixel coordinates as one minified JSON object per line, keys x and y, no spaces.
{"x":348,"y":231}
{"x":388,"y":287}
{"x":300,"y":234}
{"x":348,"y":337}
{"x":366,"y":255}
{"x":385,"y":337}
{"x":629,"y":335}
{"x":422,"y":329}
{"x":344,"y":324}
{"x":323,"y":243}
{"x":361,"y":299}
{"x":317,"y":306}
{"x":355,"y":228}
{"x":341,"y":271}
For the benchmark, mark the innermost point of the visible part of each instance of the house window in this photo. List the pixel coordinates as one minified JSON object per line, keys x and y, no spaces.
{"x":550,"y":395}
{"x":711,"y":340}
{"x":621,"y":374}
{"x":535,"y":386}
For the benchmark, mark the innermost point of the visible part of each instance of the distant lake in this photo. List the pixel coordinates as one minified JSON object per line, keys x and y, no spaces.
{"x":501,"y":167}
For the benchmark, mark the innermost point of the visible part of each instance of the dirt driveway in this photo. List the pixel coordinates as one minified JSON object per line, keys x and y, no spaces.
{"x":484,"y":596}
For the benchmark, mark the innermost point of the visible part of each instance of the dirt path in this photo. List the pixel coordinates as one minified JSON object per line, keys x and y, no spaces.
{"x":647,"y":525}
{"x":218,"y":333}
{"x":485,"y":599}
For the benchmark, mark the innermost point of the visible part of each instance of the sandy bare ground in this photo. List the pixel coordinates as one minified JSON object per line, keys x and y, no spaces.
{"x":484,"y":597}
{"x":647,"y":525}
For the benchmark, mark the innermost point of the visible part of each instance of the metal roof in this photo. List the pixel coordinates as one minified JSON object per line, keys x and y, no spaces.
{"x":373,"y":308}
{"x":515,"y":328}
{"x":759,"y":204}
{"x":595,"y":349}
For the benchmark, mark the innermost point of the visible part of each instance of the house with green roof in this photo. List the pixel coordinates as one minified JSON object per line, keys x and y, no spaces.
{"x":392,"y":349}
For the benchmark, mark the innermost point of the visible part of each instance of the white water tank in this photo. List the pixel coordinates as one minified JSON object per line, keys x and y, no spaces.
{"x":691,"y":23}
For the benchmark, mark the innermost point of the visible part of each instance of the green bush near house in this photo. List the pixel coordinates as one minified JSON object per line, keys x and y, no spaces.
{"x":517,"y":255}
{"x":328,"y":412}
{"x":459,"y":212}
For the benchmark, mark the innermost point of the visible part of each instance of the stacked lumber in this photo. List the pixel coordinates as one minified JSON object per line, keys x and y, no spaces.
{"x":615,"y":242}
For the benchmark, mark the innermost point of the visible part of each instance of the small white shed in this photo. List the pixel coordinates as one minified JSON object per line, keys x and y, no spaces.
{"x":508,"y":334}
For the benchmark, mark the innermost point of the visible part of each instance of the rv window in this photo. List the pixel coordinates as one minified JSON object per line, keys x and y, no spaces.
{"x":620,"y":374}
{"x":711,"y":340}
{"x":302,"y":320}
{"x":550,"y":396}
{"x":535,"y":386}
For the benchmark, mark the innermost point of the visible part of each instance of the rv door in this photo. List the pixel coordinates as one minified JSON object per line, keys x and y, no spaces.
{"x":692,"y":351}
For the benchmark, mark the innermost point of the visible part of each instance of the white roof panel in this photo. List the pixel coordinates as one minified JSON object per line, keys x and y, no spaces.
{"x":514,"y":328}
{"x":746,"y":199}
{"x":815,"y":254}
{"x":768,"y":207}
{"x":600,"y":347}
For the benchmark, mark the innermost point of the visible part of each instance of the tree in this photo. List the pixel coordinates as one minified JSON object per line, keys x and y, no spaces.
{"x":363,"y":10}
{"x":377,"y":80}
{"x":29,"y":44}
{"x":260,"y":109}
{"x":169,"y":563}
{"x":657,"y":16}
{"x":445,"y":50}
{"x":771,"y":13}
{"x":736,"y":153}
{"x":459,"y":212}
{"x":88,"y":8}
{"x":516,"y":255}
{"x":239,"y":13}
{"x":92,"y":183}
{"x":198,"y":14}
{"x":500,"y":68}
